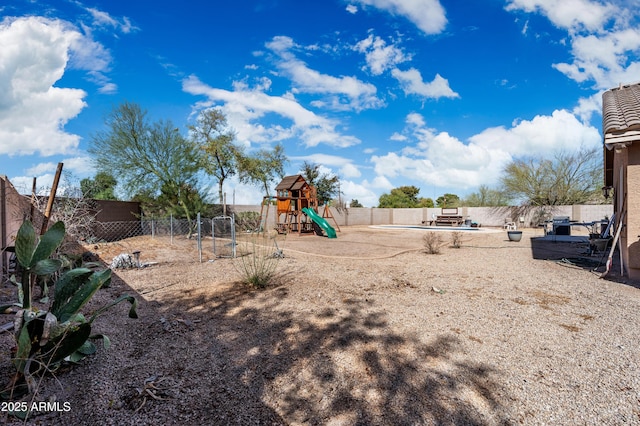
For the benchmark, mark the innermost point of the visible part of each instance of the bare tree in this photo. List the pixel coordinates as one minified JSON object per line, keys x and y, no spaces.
{"x":565,"y":179}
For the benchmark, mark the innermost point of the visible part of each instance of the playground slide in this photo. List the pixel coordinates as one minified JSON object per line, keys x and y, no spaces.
{"x":331,"y":233}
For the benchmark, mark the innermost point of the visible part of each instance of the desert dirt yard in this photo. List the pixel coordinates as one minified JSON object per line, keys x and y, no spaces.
{"x":365,"y":329}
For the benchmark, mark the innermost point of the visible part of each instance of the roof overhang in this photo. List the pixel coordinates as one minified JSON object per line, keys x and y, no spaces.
{"x":614,"y":142}
{"x":621,"y":140}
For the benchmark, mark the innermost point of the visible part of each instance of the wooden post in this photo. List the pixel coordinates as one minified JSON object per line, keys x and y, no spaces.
{"x":52,"y":197}
{"x":32,"y":212}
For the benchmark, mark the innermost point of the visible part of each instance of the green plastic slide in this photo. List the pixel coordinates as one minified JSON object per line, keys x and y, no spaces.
{"x":331,"y":233}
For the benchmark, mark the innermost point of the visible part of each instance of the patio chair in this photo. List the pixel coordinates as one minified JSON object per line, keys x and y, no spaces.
{"x":509,"y":225}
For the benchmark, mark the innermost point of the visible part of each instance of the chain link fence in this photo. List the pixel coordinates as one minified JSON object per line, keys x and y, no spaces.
{"x":219,"y":229}
{"x":120,"y":230}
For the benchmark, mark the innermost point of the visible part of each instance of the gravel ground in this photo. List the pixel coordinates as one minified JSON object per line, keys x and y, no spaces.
{"x":364,"y":329}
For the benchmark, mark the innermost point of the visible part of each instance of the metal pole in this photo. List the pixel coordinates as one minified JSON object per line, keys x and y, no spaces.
{"x":199,"y":238}
{"x":171,"y":227}
{"x":3,"y":223}
{"x":213,"y":236}
{"x":233,"y":235}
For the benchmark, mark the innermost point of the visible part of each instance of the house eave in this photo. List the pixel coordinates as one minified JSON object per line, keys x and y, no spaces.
{"x":621,"y":140}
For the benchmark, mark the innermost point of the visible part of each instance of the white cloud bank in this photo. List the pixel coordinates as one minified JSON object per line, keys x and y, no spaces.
{"x":34,"y":53}
{"x":441,"y":160}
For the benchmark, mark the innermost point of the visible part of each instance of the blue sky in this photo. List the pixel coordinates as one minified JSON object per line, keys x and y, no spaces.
{"x":440,"y":94}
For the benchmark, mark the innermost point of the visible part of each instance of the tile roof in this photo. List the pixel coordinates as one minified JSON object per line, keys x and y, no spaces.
{"x":621,"y":109}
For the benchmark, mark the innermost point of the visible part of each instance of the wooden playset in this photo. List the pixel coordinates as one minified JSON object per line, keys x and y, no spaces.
{"x":297,"y":208}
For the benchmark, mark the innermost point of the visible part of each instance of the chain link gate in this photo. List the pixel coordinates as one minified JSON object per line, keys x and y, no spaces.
{"x":223,"y":231}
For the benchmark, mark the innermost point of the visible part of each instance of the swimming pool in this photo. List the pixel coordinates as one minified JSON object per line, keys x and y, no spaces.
{"x":437,"y":228}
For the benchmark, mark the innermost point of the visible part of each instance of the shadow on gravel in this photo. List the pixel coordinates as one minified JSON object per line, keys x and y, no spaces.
{"x":254,"y":350}
{"x":238,"y":357}
{"x":576,"y":253}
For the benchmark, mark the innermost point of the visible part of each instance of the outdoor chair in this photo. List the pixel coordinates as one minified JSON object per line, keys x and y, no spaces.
{"x":509,"y":225}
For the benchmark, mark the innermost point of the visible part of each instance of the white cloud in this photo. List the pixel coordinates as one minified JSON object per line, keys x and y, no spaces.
{"x":428,"y":15}
{"x":381,"y":182}
{"x":604,"y":59}
{"x":103,"y":19}
{"x":358,"y":191}
{"x":24,"y":184}
{"x":412,"y":84}
{"x":34,"y":53}
{"x":345,"y":92}
{"x":73,"y":168}
{"x":247,"y":109}
{"x":79,"y":166}
{"x":380,"y":56}
{"x":345,"y":166}
{"x":352,"y":9}
{"x":588,"y":106}
{"x":561,"y":131}
{"x":239,"y":193}
{"x":441,"y":160}
{"x":349,"y":170}
{"x":571,"y":15}
{"x":41,"y":168}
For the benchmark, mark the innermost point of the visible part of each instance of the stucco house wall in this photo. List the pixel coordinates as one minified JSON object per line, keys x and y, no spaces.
{"x":621,"y":129}
{"x":632,"y":232}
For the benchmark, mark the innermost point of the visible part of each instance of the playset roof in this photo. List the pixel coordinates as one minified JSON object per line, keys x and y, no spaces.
{"x":292,"y":183}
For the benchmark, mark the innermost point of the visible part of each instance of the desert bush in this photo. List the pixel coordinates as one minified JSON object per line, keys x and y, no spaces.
{"x":433,"y":242}
{"x":247,"y":221}
{"x":45,"y":338}
{"x":456,"y":239}
{"x":257,"y":259}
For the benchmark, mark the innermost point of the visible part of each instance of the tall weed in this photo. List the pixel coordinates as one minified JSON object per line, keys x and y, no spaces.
{"x":258,"y":259}
{"x":456,"y":239}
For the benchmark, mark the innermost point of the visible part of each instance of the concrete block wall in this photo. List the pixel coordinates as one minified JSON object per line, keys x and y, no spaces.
{"x":353,"y":216}
{"x":485,"y":216}
{"x":407,"y":216}
{"x":381,"y":216}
